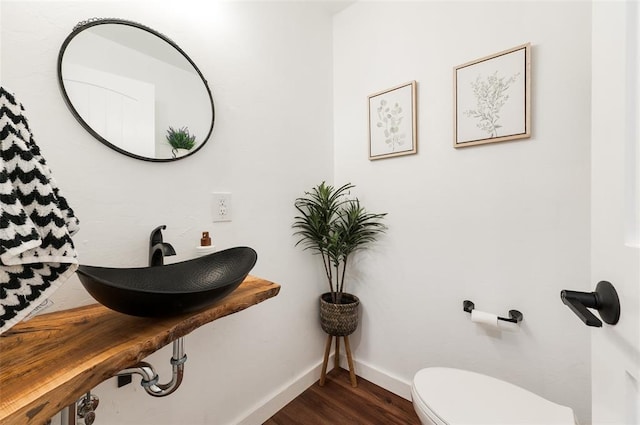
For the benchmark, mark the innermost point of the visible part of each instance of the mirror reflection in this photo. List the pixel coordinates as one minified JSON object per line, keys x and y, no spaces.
{"x":135,"y":90}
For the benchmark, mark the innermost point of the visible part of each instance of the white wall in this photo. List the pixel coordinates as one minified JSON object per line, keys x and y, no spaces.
{"x":505,"y":225}
{"x":269,"y":66}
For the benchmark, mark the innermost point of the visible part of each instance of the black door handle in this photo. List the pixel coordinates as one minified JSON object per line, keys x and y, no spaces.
{"x":604,"y":299}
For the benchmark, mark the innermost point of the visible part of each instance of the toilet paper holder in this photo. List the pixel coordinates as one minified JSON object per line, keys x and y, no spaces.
{"x":514,"y":315}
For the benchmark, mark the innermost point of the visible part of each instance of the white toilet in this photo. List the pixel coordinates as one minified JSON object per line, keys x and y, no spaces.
{"x":445,"y":396}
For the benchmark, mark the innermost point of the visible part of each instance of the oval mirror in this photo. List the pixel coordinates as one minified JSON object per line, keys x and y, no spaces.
{"x":135,"y":90}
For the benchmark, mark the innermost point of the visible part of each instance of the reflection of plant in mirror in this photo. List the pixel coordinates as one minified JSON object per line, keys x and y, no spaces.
{"x":491,"y":95}
{"x":180,"y":139}
{"x":390,"y":120}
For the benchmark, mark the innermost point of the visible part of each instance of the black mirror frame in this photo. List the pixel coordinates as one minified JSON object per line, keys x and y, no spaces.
{"x":81,"y":26}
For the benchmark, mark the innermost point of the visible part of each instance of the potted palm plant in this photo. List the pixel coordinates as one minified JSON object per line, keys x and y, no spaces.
{"x":334,"y":225}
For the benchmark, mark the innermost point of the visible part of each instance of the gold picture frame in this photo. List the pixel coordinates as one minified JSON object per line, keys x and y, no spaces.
{"x":492,"y":98}
{"x":392,"y":122}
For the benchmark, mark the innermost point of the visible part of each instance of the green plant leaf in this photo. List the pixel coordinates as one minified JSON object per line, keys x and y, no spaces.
{"x":180,"y":138}
{"x":331,"y":224}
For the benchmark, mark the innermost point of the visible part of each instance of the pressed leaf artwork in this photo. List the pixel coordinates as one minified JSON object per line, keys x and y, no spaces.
{"x":491,"y":95}
{"x":491,"y":98}
{"x":389,"y":120}
{"x":392,"y":122}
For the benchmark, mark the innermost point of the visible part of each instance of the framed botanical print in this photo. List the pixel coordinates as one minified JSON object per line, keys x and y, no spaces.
{"x":392,"y":122}
{"x":492,"y":101}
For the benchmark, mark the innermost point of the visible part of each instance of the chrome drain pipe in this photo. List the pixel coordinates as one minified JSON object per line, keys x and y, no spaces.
{"x":82,"y":411}
{"x":84,"y":408}
{"x":150,"y":377}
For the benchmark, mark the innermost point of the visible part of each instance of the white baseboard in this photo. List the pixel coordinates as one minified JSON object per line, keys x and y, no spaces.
{"x":380,"y":377}
{"x":269,"y":406}
{"x":281,"y":397}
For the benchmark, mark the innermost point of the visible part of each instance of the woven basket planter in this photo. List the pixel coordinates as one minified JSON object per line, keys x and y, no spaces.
{"x":339,"y":319}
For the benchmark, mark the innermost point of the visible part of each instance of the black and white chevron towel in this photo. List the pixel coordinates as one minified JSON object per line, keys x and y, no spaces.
{"x":36,"y":223}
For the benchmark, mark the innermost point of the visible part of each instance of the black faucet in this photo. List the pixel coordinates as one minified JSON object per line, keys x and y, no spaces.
{"x":157,"y":248}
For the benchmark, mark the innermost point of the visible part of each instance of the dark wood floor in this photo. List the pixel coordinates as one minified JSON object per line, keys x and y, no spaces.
{"x":337,"y":403}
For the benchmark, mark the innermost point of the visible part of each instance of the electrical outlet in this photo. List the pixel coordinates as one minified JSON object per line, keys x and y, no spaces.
{"x":221,"y":208}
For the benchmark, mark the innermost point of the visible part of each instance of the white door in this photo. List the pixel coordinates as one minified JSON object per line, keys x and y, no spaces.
{"x":615,"y":212}
{"x":118,"y":108}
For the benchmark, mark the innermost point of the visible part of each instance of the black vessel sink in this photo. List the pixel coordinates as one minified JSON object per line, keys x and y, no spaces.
{"x":171,"y":289}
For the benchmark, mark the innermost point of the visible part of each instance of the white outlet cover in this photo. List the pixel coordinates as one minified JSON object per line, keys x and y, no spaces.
{"x":221,"y":206}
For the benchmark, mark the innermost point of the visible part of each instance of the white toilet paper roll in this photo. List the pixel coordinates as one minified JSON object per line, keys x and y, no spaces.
{"x":484,"y":318}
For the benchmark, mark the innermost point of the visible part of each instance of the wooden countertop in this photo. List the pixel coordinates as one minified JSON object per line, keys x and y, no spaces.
{"x":53,"y":359}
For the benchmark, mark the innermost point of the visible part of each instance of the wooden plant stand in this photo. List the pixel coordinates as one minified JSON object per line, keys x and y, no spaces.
{"x":336,"y":364}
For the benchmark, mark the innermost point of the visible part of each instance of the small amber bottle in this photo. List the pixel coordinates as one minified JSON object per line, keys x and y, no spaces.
{"x":205,"y":240}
